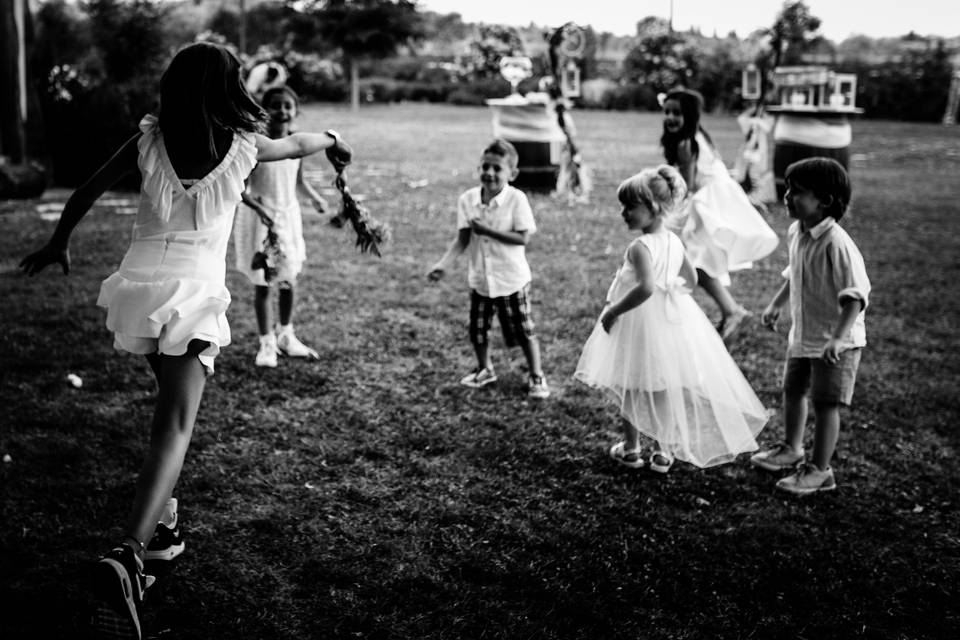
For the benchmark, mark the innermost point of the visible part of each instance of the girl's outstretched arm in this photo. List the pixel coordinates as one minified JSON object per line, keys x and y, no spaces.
{"x":639,"y":257}
{"x":123,"y":162}
{"x":298,"y":145}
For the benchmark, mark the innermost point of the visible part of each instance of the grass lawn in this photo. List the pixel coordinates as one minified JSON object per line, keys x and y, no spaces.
{"x":368,"y":495}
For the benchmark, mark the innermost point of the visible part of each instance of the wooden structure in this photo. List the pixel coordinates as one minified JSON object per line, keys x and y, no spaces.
{"x":813,"y":106}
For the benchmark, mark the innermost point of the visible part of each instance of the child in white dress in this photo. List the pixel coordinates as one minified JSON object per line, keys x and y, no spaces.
{"x":270,"y":201}
{"x":722,"y":230}
{"x":167,"y":300}
{"x":655,"y":351}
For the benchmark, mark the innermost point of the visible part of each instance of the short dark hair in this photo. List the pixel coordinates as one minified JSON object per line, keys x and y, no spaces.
{"x":826,"y":179}
{"x":502,"y":148}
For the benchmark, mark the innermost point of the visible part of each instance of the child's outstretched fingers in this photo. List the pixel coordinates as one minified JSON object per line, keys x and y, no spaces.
{"x":38,"y":260}
{"x":769,"y":318}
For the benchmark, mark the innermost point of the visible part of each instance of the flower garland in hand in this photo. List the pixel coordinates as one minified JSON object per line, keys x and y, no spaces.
{"x":270,"y":255}
{"x":371,"y":234}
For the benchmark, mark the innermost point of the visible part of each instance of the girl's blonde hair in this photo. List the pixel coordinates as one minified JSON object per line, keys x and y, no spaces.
{"x":662,"y":186}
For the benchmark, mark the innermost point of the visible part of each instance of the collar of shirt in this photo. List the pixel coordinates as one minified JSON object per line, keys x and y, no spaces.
{"x":821,"y":227}
{"x":495,"y":201}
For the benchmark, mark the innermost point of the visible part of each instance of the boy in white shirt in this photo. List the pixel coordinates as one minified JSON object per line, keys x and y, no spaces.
{"x":827,"y":290}
{"x":494,"y":222}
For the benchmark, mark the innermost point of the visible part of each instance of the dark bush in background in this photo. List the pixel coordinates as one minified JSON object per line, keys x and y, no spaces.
{"x":92,"y":101}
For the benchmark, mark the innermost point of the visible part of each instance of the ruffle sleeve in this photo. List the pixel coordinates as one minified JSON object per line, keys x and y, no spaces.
{"x":155,"y":185}
{"x":220,"y":192}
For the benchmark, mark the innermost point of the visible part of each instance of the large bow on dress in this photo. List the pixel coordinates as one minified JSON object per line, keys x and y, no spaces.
{"x":673,"y":291}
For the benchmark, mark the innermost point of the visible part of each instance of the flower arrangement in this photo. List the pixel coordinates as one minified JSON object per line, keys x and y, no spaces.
{"x":270,"y":255}
{"x":371,"y":234}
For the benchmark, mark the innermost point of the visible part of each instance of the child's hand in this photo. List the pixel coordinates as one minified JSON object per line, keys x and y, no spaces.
{"x":607,"y":318}
{"x":831,"y":351}
{"x":435,"y":274}
{"x":478,"y":227}
{"x":770,"y":317}
{"x":320,"y":205}
{"x":340,"y":155}
{"x":36,"y":261}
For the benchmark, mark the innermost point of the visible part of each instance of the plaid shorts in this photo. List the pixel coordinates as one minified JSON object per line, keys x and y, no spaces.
{"x":513,"y":310}
{"x":822,"y":381}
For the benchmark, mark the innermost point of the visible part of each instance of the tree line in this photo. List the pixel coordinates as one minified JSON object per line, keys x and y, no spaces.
{"x":94,"y":66}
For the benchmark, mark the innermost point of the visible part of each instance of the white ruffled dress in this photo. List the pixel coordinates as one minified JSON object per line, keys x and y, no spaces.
{"x":666,"y":368}
{"x":723,"y":231}
{"x":275,"y":185}
{"x":170,"y":287}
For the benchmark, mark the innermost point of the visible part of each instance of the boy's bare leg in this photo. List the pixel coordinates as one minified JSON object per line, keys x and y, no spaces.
{"x":483,"y":355}
{"x":531,"y":349}
{"x":794,"y":419}
{"x":827,"y":431}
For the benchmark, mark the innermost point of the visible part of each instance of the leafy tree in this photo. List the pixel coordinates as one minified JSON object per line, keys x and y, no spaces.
{"x":911,"y":86}
{"x":129,"y":37}
{"x":266,"y":24}
{"x":794,"y":32}
{"x":364,"y":30}
{"x":662,"y":61}
{"x":493,"y":43}
{"x":95,"y":88}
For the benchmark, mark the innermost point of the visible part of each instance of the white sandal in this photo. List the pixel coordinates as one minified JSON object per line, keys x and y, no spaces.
{"x":619,"y":452}
{"x":660,"y":467}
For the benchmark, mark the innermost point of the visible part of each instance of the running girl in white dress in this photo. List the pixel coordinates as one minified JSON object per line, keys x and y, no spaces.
{"x":655,"y":352}
{"x":271,"y":202}
{"x":167,"y":300}
{"x":722,"y":230}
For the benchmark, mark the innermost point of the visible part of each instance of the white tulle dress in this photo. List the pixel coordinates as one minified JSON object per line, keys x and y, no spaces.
{"x":667,"y":369}
{"x":275,"y":185}
{"x":170,"y":288}
{"x":722,"y":230}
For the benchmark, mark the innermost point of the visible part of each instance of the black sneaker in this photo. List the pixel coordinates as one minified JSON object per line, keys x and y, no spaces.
{"x":166,"y":543}
{"x":118,"y":586}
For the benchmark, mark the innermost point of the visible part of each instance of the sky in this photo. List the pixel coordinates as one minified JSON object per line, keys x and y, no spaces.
{"x":839,"y":18}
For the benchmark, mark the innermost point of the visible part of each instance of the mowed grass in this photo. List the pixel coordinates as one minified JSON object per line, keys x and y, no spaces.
{"x":368,"y":495}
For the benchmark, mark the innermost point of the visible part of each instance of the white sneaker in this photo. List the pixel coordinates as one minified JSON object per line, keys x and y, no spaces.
{"x":290,"y":345}
{"x":538,"y":388}
{"x":267,"y":355}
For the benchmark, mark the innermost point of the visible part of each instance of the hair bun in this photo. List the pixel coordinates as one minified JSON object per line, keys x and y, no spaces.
{"x":675,"y":182}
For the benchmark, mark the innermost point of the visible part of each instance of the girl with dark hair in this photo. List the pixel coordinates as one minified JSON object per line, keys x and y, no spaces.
{"x":270,"y":205}
{"x":722,"y":231}
{"x":168,"y":298}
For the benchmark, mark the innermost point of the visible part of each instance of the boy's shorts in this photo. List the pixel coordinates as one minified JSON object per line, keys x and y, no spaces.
{"x":513,"y":311}
{"x":824,"y":382}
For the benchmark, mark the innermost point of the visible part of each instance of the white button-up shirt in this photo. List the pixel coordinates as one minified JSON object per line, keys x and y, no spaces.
{"x":825,"y":268}
{"x":496,"y":269}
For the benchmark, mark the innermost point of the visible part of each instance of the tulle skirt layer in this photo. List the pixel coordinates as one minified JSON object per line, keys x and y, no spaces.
{"x":668,"y":371}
